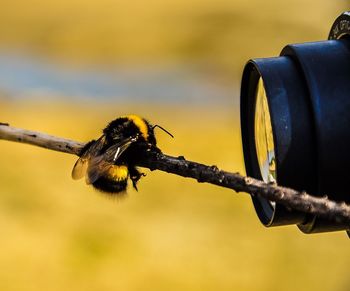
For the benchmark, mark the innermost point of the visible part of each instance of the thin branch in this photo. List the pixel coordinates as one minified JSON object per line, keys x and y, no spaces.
{"x":153,"y":160}
{"x":44,"y":140}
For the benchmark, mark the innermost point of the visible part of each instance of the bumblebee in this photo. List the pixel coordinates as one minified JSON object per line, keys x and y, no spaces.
{"x":108,"y":162}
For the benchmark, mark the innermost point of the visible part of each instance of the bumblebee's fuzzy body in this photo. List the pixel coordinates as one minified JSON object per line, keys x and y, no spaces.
{"x":115,"y":182}
{"x":114,"y":179}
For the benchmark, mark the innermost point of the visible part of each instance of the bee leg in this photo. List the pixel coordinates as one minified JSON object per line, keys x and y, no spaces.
{"x":135,"y":176}
{"x":153,"y":147}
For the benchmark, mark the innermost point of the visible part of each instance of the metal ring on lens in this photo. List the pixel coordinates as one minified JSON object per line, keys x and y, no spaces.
{"x":264,"y":115}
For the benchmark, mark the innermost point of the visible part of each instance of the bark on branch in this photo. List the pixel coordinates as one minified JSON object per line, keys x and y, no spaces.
{"x":320,"y":206}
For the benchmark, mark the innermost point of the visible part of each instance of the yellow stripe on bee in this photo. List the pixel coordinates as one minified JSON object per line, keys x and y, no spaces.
{"x":140,"y":123}
{"x":118,"y":173}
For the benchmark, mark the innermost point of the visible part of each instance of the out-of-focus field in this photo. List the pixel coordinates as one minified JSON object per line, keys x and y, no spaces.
{"x":219,"y":34}
{"x":174,"y":234}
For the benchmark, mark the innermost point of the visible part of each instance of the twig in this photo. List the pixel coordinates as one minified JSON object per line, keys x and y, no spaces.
{"x":153,"y":160}
{"x":44,"y":140}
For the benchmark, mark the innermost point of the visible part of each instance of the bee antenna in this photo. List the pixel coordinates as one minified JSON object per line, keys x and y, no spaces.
{"x":154,"y":126}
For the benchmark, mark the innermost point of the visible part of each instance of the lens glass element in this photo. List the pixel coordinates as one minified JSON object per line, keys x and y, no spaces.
{"x":265,"y":148}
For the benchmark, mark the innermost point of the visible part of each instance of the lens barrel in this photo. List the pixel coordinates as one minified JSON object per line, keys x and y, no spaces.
{"x":308,"y":94}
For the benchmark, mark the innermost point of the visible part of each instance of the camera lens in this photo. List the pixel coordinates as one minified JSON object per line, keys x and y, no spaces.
{"x":294,"y":121}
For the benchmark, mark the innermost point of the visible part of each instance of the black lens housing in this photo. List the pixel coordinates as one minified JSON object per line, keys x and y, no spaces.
{"x":308,"y":92}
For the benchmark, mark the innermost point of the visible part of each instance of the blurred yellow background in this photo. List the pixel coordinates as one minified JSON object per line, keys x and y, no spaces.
{"x":69,"y":67}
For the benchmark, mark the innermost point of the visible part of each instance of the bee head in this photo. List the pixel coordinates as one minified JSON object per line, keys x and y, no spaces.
{"x":117,"y":129}
{"x":128,"y":126}
{"x":132,"y":126}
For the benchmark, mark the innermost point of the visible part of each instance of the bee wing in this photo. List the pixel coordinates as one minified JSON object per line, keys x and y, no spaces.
{"x":101,"y":164}
{"x":115,"y":151}
{"x":79,"y":169}
{"x":97,"y":168}
{"x":82,"y":164}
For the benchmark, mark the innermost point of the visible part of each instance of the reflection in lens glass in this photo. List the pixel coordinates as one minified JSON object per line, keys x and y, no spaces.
{"x":264,"y":144}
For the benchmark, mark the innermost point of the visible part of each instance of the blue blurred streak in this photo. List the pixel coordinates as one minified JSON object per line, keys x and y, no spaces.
{"x":25,"y":76}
